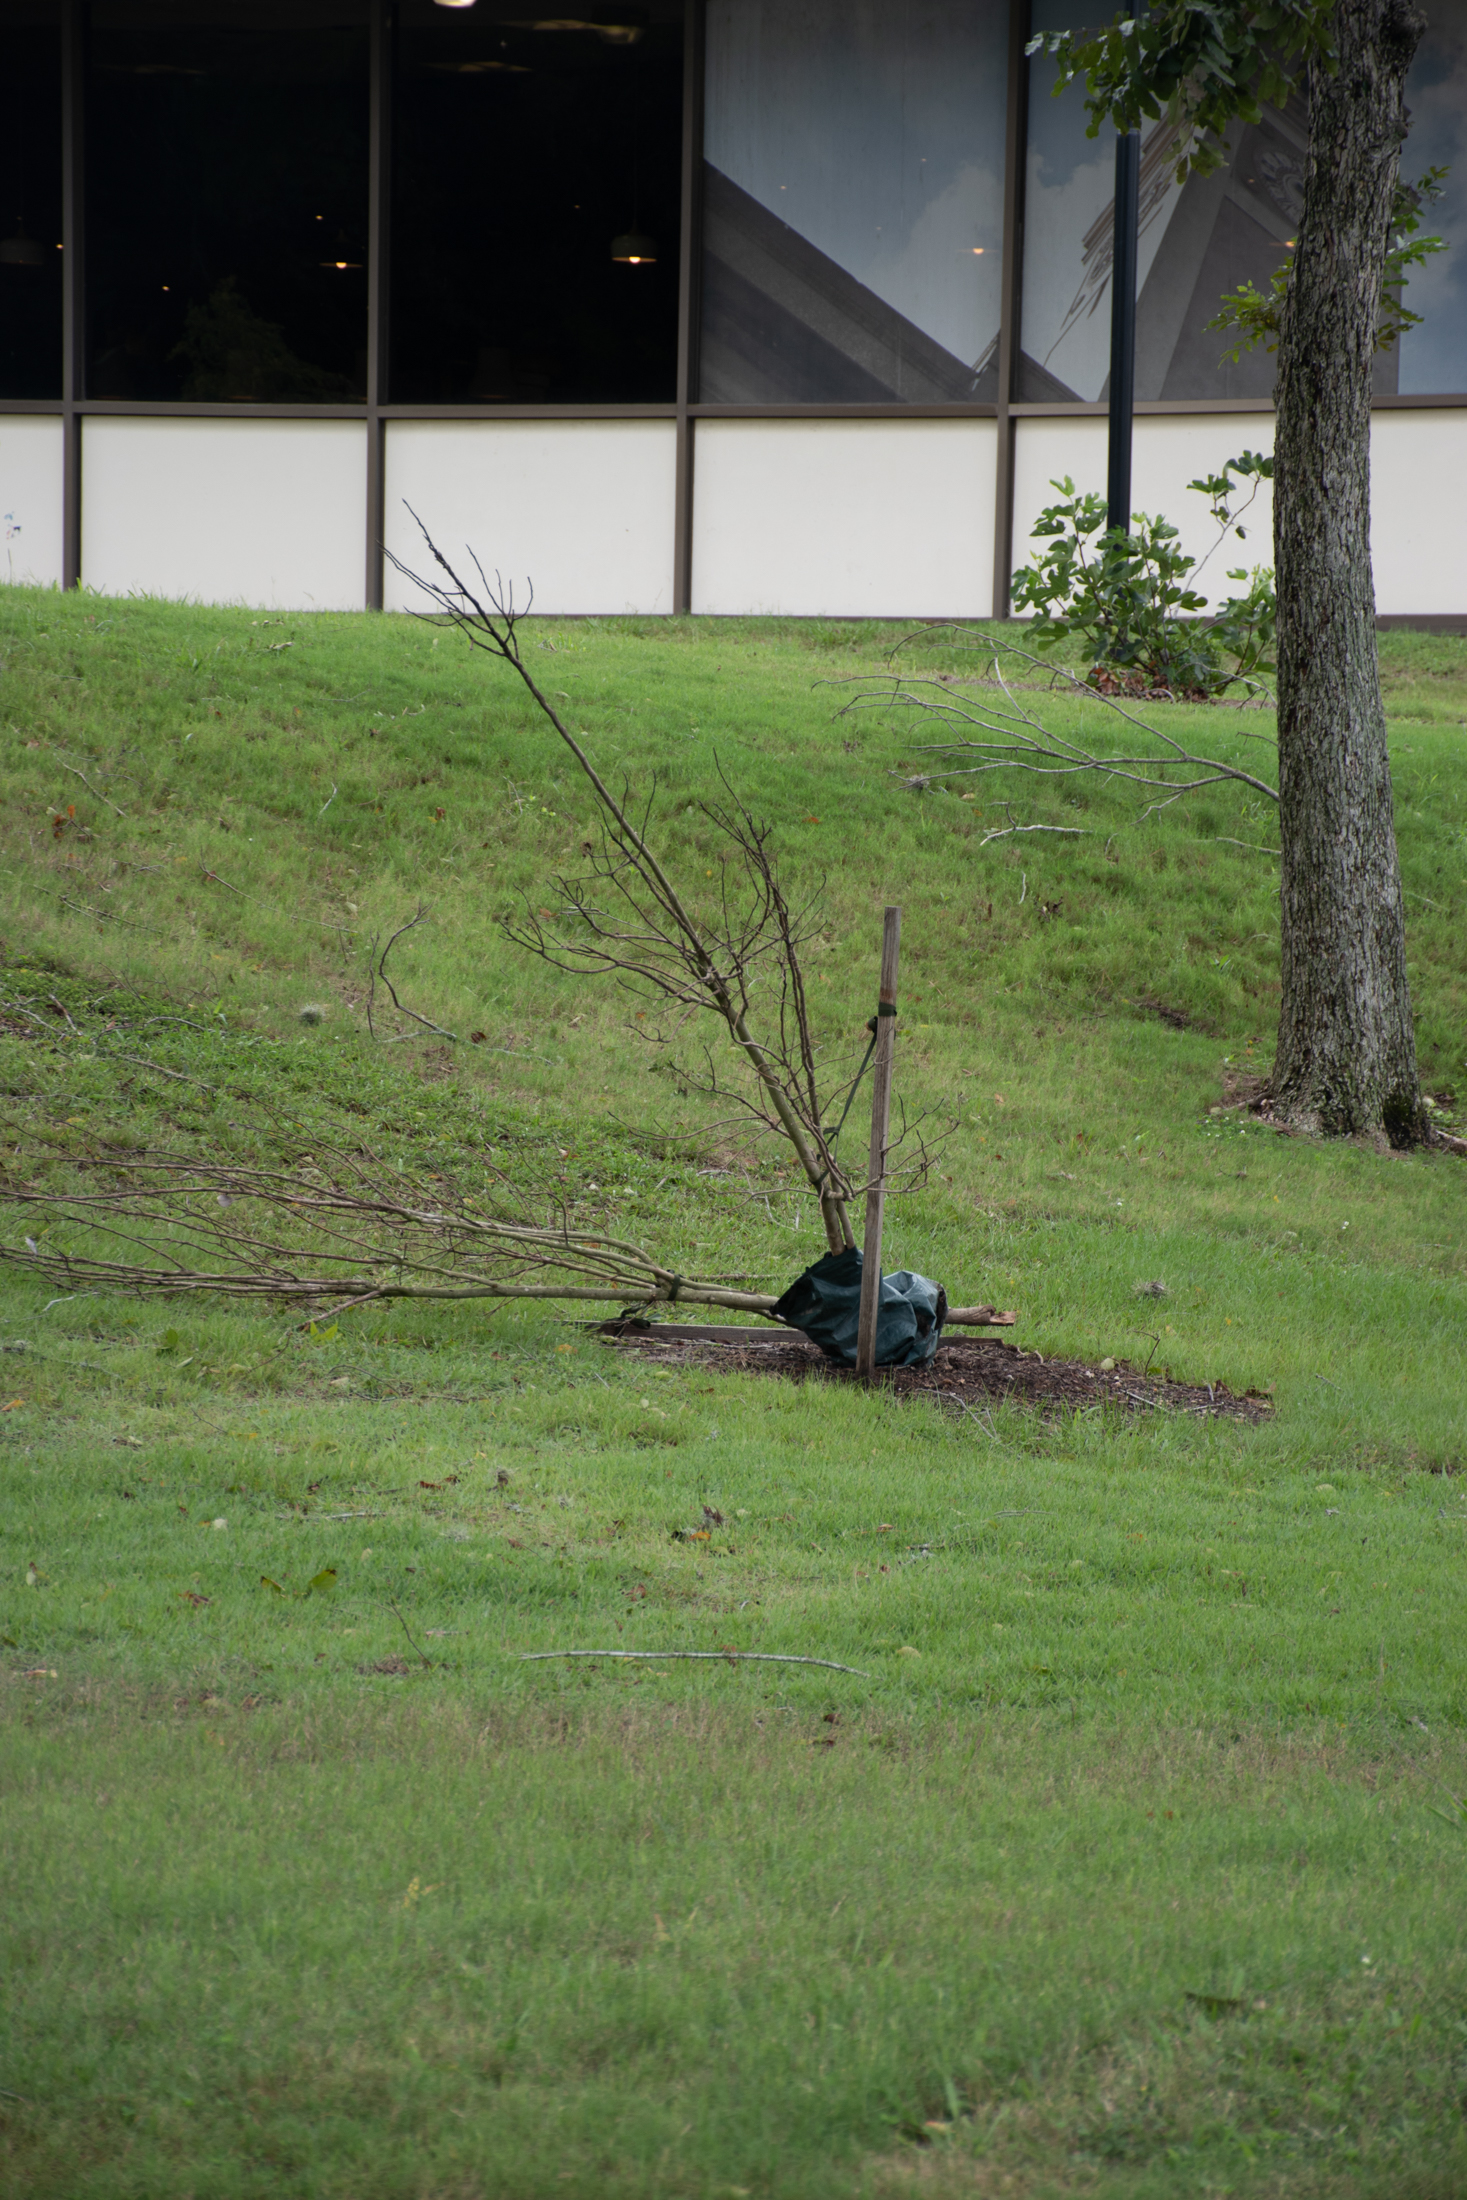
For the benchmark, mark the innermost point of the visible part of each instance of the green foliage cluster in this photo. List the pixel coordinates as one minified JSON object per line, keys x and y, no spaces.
{"x":1254,"y":316}
{"x":1129,"y":598}
{"x":1201,"y":63}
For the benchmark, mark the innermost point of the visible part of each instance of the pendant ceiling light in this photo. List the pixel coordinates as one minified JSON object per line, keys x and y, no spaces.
{"x":634,"y":250}
{"x":21,"y":250}
{"x":342,"y":258}
{"x":613,"y":26}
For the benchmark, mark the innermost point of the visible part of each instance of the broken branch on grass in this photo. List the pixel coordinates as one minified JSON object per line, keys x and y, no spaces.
{"x":302,"y":1238}
{"x":81,"y":775}
{"x":724,"y":1657}
{"x":1016,"y":739}
{"x":215,"y":879}
{"x":379,"y":970}
{"x":402,"y":1623}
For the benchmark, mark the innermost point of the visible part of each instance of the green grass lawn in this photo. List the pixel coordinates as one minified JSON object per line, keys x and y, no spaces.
{"x":1125,"y":1863}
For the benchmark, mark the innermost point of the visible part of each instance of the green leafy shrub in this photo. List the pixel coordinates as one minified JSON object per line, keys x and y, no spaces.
{"x":1131,"y":599}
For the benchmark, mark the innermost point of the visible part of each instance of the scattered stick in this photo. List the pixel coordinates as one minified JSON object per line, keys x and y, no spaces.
{"x":983,"y":1418}
{"x":332,"y":1516}
{"x":216,"y":880}
{"x":726,"y":1657}
{"x":402,"y":1623}
{"x":1072,"y":832}
{"x":112,"y":806}
{"x":381,"y":972}
{"x":105,"y":916}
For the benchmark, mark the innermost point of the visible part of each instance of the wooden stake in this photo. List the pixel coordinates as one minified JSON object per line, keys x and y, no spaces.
{"x":891,"y":942}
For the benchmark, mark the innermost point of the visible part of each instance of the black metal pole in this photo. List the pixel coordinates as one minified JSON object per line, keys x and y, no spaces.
{"x":73,"y":310}
{"x":379,"y":238}
{"x":1123,"y":331}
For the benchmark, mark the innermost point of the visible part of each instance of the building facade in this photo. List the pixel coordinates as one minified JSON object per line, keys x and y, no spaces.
{"x":732,"y":306}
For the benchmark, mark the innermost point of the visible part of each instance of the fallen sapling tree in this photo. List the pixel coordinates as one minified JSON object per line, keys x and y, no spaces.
{"x":341,"y":1228}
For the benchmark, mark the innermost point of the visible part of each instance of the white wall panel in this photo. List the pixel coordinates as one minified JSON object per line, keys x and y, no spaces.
{"x":267,"y":512}
{"x":30,"y":499}
{"x":583,"y":508}
{"x":1418,"y":511}
{"x":844,"y":518}
{"x":1168,"y":451}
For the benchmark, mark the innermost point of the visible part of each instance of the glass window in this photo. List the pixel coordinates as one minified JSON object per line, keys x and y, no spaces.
{"x":536,"y":166}
{"x":1433,"y":359}
{"x":853,"y":200}
{"x":1213,"y":233}
{"x":226,"y":187}
{"x":1196,"y":241}
{"x":30,"y":199}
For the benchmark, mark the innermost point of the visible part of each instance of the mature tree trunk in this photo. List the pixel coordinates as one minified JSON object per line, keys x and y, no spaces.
{"x":1346,"y":1061}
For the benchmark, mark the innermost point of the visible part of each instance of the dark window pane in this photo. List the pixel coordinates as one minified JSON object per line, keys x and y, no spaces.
{"x":226,"y":184}
{"x":523,"y":149}
{"x":30,"y":199}
{"x":853,"y":193}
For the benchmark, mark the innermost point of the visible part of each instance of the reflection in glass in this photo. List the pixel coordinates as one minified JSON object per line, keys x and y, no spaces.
{"x":853,"y":198}
{"x":30,"y":198}
{"x":226,"y":178}
{"x":536,"y":201}
{"x":1434,"y":356}
{"x":1210,"y":235}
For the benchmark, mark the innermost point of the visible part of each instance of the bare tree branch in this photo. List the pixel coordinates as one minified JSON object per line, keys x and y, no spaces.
{"x":631,"y":923}
{"x":1016,"y":739}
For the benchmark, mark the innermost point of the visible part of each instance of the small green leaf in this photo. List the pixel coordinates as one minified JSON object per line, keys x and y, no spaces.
{"x":322,"y":1583}
{"x":1215,"y":2005}
{"x":267,"y":1583}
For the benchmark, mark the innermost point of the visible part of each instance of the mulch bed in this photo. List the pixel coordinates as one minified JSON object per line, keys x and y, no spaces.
{"x":976,"y":1372}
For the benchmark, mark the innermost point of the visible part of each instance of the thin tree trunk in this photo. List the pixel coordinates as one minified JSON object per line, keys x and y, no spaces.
{"x":1346,"y":1061}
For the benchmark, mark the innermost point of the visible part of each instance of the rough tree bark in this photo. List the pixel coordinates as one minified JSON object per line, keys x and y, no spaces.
{"x":1346,"y":1060}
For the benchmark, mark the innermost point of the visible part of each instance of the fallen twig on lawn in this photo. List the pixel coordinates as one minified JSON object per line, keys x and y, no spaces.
{"x":215,"y":880}
{"x":402,"y":1623}
{"x":379,"y":970}
{"x":725,"y":1657}
{"x":112,"y":806}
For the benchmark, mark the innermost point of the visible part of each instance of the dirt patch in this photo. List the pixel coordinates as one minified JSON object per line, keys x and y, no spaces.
{"x":975,"y":1372}
{"x":1178,"y":1018}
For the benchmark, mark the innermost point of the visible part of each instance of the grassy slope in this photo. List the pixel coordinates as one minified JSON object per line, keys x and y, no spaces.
{"x":681,"y":1946}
